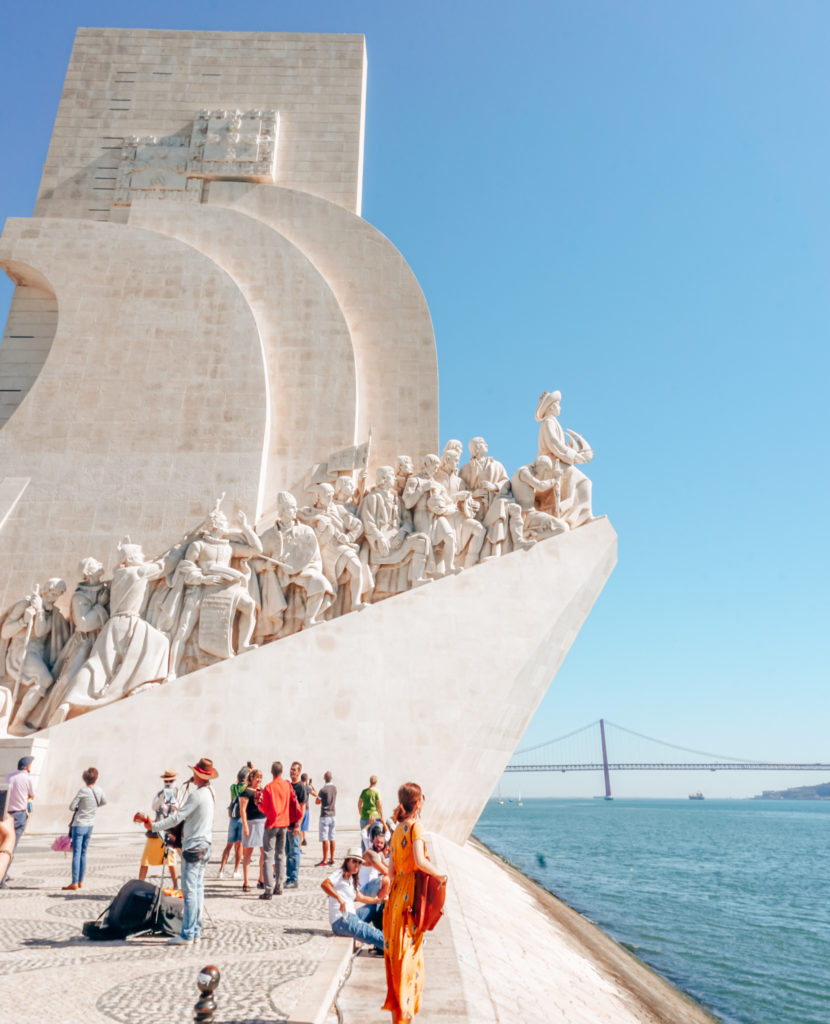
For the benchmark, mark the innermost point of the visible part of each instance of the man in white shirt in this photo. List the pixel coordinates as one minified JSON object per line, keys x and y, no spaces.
{"x":21,"y":792}
{"x":197,"y":815}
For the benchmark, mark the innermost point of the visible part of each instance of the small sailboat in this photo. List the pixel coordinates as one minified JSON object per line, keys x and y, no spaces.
{"x":519,"y":801}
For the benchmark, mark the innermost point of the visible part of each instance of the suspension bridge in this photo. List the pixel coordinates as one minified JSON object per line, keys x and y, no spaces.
{"x":586,"y":750}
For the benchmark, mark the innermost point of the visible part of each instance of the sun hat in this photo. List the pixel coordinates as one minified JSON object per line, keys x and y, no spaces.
{"x":354,"y":853}
{"x":170,"y":775}
{"x":204,"y":769}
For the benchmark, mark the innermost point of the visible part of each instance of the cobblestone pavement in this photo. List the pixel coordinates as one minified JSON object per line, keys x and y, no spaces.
{"x":278,"y":959}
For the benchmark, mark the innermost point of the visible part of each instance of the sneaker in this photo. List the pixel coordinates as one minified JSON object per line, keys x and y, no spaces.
{"x":71,"y":888}
{"x":266,"y":895}
{"x":292,"y":885}
{"x":177,"y":940}
{"x":237,"y":874}
{"x":221,"y":873}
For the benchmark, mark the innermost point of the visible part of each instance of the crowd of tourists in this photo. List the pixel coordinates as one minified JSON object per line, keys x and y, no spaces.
{"x":371,"y":891}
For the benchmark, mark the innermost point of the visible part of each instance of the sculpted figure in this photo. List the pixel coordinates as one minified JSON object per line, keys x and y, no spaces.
{"x":569,"y":451}
{"x":33,"y":634}
{"x":214,"y":592}
{"x":432,"y":511}
{"x":535,"y":487}
{"x":338,"y":532}
{"x":489,"y":484}
{"x":296,"y":567}
{"x":469,"y":532}
{"x":397,"y":556}
{"x":345,"y":493}
{"x":128,"y":652}
{"x":404,"y":469}
{"x":87,"y":614}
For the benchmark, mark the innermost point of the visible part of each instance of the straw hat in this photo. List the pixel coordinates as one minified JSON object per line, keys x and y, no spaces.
{"x":204,"y":769}
{"x":354,"y":853}
{"x":168,"y":776}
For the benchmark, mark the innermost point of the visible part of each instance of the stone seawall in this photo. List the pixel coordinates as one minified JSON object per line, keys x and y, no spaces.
{"x":509,"y":951}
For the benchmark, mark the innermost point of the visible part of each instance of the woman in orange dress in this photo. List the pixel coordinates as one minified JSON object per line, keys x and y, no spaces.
{"x":403,"y":952}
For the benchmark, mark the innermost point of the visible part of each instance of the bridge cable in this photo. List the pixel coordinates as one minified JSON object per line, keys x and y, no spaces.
{"x":686,"y":750}
{"x":529,"y":750}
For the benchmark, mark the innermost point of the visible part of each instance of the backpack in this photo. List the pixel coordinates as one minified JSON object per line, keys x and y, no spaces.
{"x":130,"y":911}
{"x":233,"y":806}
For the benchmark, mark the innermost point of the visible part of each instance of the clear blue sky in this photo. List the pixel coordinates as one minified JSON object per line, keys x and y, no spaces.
{"x":629,"y":202}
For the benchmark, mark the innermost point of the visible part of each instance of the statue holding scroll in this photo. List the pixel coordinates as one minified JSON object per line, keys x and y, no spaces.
{"x":214,"y":593}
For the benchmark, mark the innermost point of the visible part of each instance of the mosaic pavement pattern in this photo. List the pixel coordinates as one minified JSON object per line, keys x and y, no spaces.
{"x":267,"y":951}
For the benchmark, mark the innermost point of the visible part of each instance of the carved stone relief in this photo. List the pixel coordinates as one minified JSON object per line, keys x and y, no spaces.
{"x":223,"y":589}
{"x":224,"y":144}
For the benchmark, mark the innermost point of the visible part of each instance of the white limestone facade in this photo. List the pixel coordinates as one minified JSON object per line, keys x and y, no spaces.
{"x":200,"y":307}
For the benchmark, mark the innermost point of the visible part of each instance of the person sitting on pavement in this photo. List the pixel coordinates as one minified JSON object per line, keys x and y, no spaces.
{"x":344,"y":917}
{"x":366,"y":833}
{"x":373,"y":877}
{"x":164,"y":802}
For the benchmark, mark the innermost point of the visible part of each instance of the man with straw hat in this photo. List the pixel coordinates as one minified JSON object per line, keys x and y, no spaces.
{"x":197,"y":815}
{"x":164,"y":803}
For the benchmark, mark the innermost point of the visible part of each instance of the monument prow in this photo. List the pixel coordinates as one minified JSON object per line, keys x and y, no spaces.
{"x":438,"y":683}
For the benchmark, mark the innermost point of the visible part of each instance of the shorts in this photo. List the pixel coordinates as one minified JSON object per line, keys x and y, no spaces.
{"x":154,"y":854}
{"x":304,"y":825}
{"x":234,"y":830}
{"x":327,"y":829}
{"x":256,"y":830}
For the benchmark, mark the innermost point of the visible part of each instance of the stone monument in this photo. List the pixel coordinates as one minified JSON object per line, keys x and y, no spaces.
{"x":200,"y":310}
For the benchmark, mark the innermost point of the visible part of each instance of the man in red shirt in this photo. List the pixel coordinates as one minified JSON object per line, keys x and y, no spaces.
{"x":279,"y":803}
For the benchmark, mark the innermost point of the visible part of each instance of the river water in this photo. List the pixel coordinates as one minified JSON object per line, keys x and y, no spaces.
{"x":728,"y":899}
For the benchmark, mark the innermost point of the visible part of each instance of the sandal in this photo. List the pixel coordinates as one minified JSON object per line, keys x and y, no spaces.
{"x":246,"y":888}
